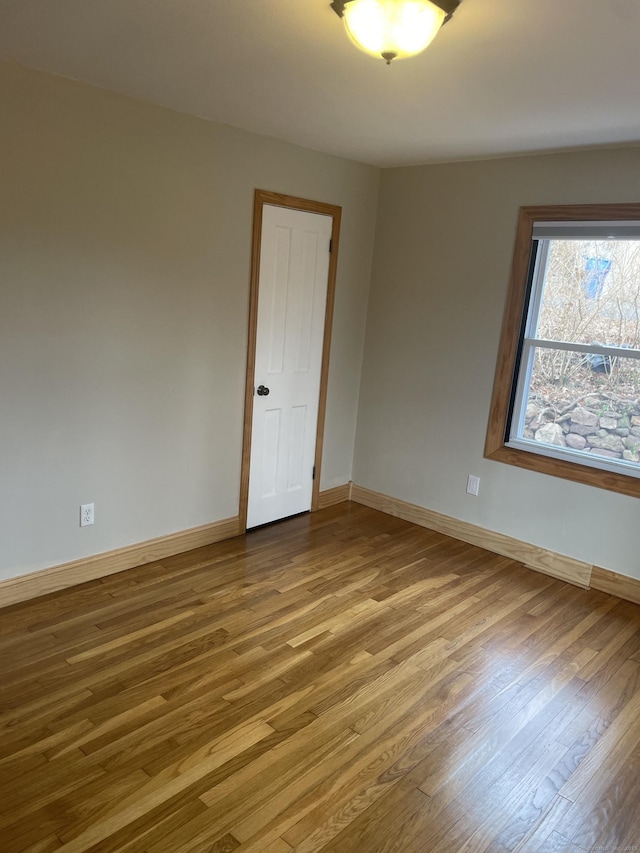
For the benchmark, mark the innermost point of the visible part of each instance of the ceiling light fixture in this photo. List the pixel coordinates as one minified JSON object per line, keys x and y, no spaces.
{"x":393,"y":29}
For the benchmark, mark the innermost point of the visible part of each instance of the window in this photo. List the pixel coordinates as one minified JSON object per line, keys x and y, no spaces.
{"x":566,"y":397}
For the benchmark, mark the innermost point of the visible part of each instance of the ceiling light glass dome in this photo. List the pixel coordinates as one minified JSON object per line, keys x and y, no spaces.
{"x":392,"y":29}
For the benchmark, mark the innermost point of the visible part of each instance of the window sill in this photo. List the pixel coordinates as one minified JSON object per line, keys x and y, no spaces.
{"x":585,"y":474}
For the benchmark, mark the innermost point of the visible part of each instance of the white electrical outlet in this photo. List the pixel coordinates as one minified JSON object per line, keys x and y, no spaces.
{"x":473,"y":485}
{"x":86,"y":515}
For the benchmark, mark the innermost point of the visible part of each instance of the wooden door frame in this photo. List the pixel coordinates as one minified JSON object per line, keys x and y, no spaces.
{"x":262,"y":197}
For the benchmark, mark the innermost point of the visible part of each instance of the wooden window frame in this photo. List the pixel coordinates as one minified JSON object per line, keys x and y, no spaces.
{"x":505,"y":376}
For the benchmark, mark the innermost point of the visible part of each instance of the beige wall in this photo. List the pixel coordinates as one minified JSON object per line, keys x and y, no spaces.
{"x":443,"y":253}
{"x":124,"y":265}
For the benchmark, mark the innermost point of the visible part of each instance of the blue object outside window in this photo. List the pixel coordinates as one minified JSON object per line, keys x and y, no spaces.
{"x":597,"y":269}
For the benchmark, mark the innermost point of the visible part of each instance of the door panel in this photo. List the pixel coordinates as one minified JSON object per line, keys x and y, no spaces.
{"x":295,"y":478}
{"x":270,"y":445}
{"x":294,"y":265}
{"x":275,"y":278}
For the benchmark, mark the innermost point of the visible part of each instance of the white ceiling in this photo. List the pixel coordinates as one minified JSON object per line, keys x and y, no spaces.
{"x":503,"y":77}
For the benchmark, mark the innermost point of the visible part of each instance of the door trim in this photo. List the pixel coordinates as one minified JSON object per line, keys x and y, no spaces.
{"x":262,"y":197}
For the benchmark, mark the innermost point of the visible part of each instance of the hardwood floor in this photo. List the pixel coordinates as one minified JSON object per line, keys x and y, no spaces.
{"x":339,"y":682}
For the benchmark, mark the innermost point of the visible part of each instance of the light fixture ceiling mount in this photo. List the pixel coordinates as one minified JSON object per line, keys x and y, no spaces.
{"x":393,"y":29}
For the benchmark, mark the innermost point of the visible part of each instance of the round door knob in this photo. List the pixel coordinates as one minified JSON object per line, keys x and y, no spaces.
{"x":263,"y":391}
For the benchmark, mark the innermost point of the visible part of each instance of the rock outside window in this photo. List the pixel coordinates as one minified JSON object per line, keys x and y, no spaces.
{"x":566,"y":398}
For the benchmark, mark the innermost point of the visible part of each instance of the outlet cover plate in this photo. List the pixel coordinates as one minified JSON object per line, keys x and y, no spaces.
{"x":473,"y":485}
{"x":87,"y":514}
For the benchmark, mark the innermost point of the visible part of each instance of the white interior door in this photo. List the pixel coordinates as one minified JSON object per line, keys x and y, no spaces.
{"x":294,"y":268}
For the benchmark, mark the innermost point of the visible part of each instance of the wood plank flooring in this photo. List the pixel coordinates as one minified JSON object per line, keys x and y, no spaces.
{"x":339,"y":682}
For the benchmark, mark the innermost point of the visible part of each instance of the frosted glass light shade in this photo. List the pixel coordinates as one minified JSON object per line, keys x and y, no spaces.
{"x":392,"y":28}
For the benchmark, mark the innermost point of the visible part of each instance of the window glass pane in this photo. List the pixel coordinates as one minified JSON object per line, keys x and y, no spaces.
{"x":585,"y":403}
{"x":591,"y":293}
